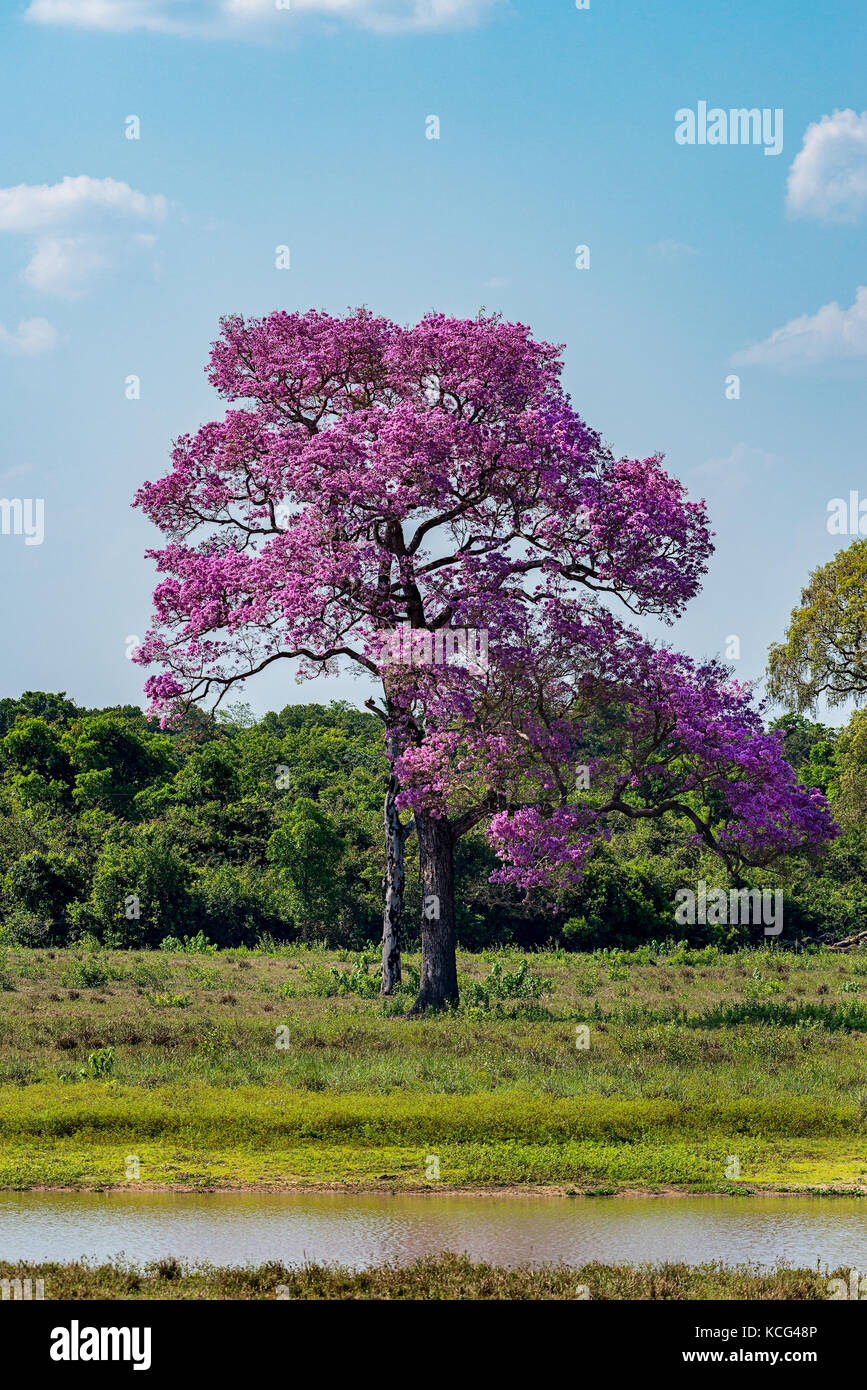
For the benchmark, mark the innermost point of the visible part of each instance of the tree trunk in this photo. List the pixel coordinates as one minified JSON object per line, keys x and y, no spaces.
{"x":395,"y":836}
{"x":439,"y":970}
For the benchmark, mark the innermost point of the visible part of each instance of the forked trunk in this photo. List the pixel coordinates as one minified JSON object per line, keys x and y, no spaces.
{"x":439,"y":971}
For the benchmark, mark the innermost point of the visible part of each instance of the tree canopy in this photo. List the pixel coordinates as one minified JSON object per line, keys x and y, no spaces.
{"x":824,"y":651}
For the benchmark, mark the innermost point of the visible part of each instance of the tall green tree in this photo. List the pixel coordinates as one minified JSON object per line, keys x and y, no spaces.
{"x":824,"y":652}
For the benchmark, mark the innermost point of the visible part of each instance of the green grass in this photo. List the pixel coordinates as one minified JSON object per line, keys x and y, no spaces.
{"x":241,"y":1069}
{"x":442,"y":1277}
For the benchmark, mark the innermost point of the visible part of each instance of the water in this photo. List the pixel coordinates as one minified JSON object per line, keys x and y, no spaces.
{"x":229,"y":1228}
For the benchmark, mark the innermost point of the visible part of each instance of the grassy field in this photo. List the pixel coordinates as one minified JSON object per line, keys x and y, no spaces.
{"x":285,"y":1069}
{"x":443,"y":1277}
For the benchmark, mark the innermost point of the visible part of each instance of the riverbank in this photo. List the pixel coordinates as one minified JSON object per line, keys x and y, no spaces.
{"x":105,"y":1134}
{"x":439,"y":1190}
{"x":443,"y":1277}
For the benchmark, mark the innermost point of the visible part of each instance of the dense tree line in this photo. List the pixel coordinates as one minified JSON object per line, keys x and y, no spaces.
{"x":244,"y":829}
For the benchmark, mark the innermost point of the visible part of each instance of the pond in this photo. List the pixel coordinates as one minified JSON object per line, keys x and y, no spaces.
{"x":231,"y":1228}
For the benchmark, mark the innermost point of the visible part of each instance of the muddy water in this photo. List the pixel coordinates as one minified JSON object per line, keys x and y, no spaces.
{"x":365,"y":1230}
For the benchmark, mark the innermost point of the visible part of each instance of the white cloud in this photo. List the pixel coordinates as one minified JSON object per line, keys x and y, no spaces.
{"x":29,"y":207}
{"x":115,"y":16}
{"x":63,"y":266}
{"x":828,"y":177}
{"x":222,"y":18}
{"x":739,"y":467}
{"x":31,"y":337}
{"x":831,"y":333}
{"x":672,"y":250}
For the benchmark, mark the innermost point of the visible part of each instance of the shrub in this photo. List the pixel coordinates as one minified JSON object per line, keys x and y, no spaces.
{"x":101,"y":1062}
{"x":358,"y":980}
{"x":198,"y":944}
{"x":504,"y":984}
{"x":90,"y":973}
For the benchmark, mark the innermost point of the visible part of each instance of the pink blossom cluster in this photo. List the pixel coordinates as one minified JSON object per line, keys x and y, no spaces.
{"x":651,"y":731}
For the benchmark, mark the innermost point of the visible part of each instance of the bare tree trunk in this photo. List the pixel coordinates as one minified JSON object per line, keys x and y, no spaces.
{"x":395,"y":877}
{"x":395,"y":873}
{"x":439,"y":971}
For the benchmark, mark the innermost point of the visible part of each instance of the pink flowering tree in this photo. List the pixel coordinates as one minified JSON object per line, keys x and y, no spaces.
{"x":370,"y":478}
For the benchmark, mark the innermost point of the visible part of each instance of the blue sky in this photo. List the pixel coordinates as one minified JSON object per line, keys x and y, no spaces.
{"x":306,"y":127}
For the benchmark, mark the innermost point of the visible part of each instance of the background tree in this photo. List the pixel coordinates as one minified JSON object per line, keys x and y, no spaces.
{"x":307,"y":850}
{"x":824,"y":652}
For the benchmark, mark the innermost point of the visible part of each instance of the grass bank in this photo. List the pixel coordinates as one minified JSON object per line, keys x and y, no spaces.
{"x":661,"y":1067}
{"x":443,"y":1277}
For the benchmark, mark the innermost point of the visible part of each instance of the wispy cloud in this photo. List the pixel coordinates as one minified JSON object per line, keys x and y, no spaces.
{"x":828,"y":177}
{"x":672,"y":250}
{"x":64,"y":266}
{"x":235,"y":18}
{"x":831,"y":333}
{"x":31,"y":338}
{"x":742,"y":465}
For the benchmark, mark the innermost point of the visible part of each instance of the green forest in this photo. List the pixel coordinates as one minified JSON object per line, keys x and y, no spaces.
{"x":241,"y":832}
